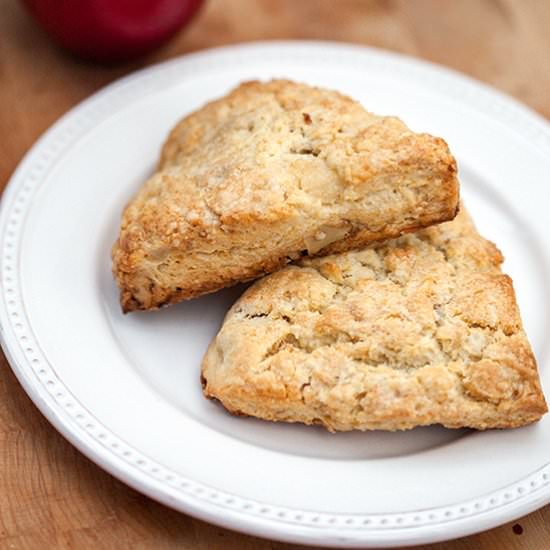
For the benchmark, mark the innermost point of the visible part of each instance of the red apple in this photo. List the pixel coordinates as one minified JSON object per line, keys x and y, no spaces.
{"x":112,"y":30}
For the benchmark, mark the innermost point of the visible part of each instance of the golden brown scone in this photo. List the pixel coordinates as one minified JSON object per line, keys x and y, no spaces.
{"x":419,"y":330}
{"x":267,"y":174}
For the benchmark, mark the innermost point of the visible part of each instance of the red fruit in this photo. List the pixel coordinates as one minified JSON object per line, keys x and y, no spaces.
{"x":112,"y":30}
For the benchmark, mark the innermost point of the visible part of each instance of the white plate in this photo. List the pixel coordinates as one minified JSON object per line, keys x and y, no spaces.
{"x":125,"y":389}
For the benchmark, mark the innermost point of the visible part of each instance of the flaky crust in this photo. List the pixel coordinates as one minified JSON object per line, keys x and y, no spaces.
{"x":419,"y":330}
{"x":267,"y":174}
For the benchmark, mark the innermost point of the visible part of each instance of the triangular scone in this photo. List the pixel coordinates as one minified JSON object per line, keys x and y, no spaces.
{"x":269,"y":173}
{"x":419,"y":330}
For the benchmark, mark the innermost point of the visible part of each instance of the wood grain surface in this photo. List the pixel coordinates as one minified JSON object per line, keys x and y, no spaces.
{"x":50,"y":495}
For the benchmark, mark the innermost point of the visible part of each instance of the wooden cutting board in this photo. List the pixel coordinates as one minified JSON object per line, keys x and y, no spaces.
{"x":50,"y":495}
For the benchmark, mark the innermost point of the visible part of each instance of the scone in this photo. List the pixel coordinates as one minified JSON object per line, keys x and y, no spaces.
{"x":272,"y":172}
{"x":419,"y":330}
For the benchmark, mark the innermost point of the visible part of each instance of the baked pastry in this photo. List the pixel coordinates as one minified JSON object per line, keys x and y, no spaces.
{"x":267,"y":174}
{"x":419,"y":330}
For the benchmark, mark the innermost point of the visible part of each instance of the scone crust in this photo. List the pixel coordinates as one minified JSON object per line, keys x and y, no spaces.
{"x":420,"y":330}
{"x":267,"y":174}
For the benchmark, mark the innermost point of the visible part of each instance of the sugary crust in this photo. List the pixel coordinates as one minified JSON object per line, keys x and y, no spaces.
{"x":419,"y":330}
{"x":267,"y":174}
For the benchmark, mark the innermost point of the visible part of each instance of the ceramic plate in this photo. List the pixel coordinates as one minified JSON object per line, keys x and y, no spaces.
{"x":125,"y":389}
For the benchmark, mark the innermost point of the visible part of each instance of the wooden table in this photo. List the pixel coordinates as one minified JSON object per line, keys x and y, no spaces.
{"x":50,"y":495}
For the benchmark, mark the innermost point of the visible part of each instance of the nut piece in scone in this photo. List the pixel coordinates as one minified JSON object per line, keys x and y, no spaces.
{"x":270,"y":173}
{"x":419,"y":330}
